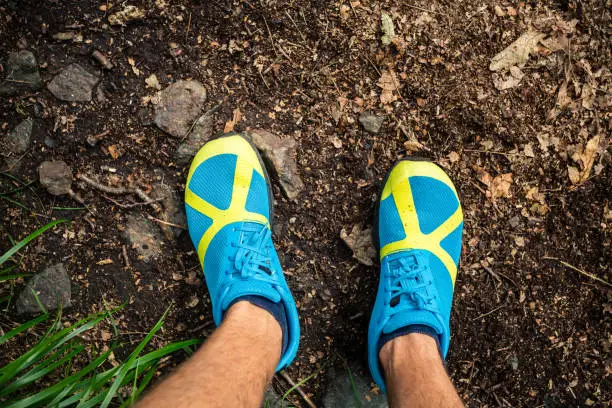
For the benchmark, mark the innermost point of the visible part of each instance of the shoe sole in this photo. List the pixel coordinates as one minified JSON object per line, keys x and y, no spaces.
{"x":263,"y":166}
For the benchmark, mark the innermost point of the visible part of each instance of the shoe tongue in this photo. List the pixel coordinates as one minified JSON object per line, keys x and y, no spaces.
{"x":411,"y":317}
{"x":247,"y":287}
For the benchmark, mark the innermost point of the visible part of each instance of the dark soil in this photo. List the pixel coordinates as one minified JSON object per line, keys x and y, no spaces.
{"x":527,"y":329}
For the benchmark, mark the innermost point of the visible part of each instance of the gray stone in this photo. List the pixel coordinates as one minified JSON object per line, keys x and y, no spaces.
{"x":280,"y":153}
{"x":179,"y":105}
{"x":55,"y":176}
{"x":340,"y":392}
{"x":73,"y":84}
{"x":370,"y":122}
{"x":18,"y":140}
{"x":173,"y":208}
{"x":144,"y":237}
{"x":21,"y":74}
{"x":50,"y":287}
{"x":201,"y":132}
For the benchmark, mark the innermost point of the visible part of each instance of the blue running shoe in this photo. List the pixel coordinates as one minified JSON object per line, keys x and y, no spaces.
{"x":229,"y":207}
{"x":420,"y":225}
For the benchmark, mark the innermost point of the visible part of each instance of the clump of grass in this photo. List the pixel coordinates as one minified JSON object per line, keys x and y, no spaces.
{"x":45,"y":375}
{"x":61,"y":369}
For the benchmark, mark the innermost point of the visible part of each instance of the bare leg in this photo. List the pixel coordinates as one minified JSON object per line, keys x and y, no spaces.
{"x":415,"y":375}
{"x":233,"y":367}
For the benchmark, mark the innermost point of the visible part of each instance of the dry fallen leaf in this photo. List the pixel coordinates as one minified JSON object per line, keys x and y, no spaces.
{"x":587,"y":96}
{"x":132,"y":63}
{"x":152,"y":82}
{"x":500,"y":186}
{"x":586,"y":159}
{"x":518,"y":52}
{"x":360,"y":242}
{"x":387,"y":29}
{"x":106,"y":261}
{"x":229,"y":125}
{"x":388,"y":83}
{"x":482,"y":176}
{"x":453,"y":157}
{"x":114,"y":151}
{"x":129,"y":13}
{"x":511,"y":81}
{"x":563,"y":100}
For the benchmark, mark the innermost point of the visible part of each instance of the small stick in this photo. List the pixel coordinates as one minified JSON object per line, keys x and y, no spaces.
{"x":488,"y":313}
{"x":424,"y":9}
{"x":188,"y":27}
{"x":131,"y":205}
{"x":270,"y":34}
{"x":93,"y":140}
{"x":121,"y":190}
{"x":590,"y":275}
{"x":298,"y":389}
{"x":166,"y":222}
{"x":125,"y":256}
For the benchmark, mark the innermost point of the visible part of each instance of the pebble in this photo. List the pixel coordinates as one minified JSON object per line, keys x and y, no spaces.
{"x":173,"y":208}
{"x":51,"y":287}
{"x":55,"y":176}
{"x":201,"y":132}
{"x":18,"y":140}
{"x":73,"y":84}
{"x":144,"y":237}
{"x":281,"y":153}
{"x":370,"y":122}
{"x":180,"y":104}
{"x":21,"y":74}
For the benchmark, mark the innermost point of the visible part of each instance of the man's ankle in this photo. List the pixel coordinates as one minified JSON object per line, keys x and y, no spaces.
{"x":407,"y":347}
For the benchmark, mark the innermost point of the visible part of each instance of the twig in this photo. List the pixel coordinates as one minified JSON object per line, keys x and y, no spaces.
{"x":424,"y":9}
{"x":352,"y":8}
{"x":590,"y":275}
{"x":166,"y":223}
{"x":131,"y":205}
{"x":125,"y":256}
{"x":270,"y":34}
{"x":188,"y":27}
{"x":120,"y":191}
{"x":488,"y":313}
{"x":298,"y":389}
{"x":491,"y":152}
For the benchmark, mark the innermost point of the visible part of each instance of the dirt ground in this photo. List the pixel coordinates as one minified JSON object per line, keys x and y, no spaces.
{"x":531,"y":325}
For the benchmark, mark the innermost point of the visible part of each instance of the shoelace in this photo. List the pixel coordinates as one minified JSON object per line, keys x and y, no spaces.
{"x":409,"y":289}
{"x":252,"y":259}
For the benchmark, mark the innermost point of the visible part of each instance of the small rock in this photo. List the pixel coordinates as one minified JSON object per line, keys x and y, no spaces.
{"x":340,"y":391}
{"x":179,"y":105}
{"x":280,"y":153}
{"x":18,"y":140}
{"x":514,"y":362}
{"x":21,"y":74}
{"x":73,"y":84}
{"x":55,"y":176}
{"x":360,"y":242}
{"x":144,"y":237}
{"x":370,"y":122}
{"x":202,"y":131}
{"x":51,"y":288}
{"x":173,"y":208}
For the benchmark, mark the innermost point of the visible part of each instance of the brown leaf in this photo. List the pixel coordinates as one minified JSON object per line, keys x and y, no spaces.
{"x":482,"y":176}
{"x":114,"y":151}
{"x":229,"y":125}
{"x":518,"y":52}
{"x":360,"y":242}
{"x":388,"y":83}
{"x":586,"y":158}
{"x":500,"y":186}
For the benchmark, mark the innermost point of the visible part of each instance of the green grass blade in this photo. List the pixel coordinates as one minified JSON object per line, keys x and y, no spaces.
{"x":57,"y":340}
{"x":60,"y":388}
{"x":27,"y":240}
{"x":23,"y":327}
{"x":39,"y":372}
{"x":11,"y":277}
{"x":121,"y":374}
{"x":296,"y":386}
{"x":8,"y":269}
{"x":17,"y":203}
